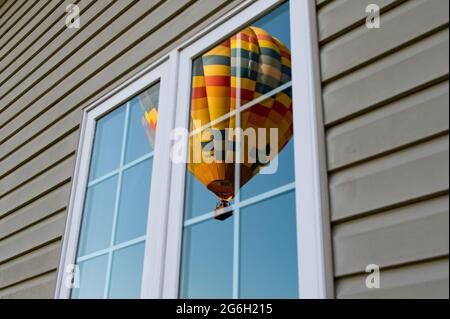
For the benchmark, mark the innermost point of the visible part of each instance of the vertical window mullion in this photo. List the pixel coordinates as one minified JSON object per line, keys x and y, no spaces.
{"x":313,"y":234}
{"x":237,"y":180}
{"x":117,"y":201}
{"x":236,"y":252}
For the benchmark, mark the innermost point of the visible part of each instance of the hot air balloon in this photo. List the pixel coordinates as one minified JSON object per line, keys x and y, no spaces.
{"x":148,"y":103}
{"x":243,"y":68}
{"x":149,"y":122}
{"x":248,"y":65}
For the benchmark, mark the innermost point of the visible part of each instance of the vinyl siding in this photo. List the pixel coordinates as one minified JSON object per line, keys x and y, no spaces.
{"x":385,"y":99}
{"x":48,"y":75}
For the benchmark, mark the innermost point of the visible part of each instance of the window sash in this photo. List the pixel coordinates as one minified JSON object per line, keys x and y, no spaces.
{"x":153,"y":255}
{"x":314,"y":260}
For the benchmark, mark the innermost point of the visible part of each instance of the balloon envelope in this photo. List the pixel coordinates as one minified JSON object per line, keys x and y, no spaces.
{"x":242,"y":69}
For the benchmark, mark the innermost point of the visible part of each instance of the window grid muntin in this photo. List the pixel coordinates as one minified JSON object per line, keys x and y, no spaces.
{"x":243,"y":204}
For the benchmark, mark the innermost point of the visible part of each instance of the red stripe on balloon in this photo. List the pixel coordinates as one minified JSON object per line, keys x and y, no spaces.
{"x":245,"y":94}
{"x":217,"y":80}
{"x":286,"y":54}
{"x":198,"y":93}
{"x":279,"y":108}
{"x":247,"y":38}
{"x":268,"y":38}
{"x":260,"y":110}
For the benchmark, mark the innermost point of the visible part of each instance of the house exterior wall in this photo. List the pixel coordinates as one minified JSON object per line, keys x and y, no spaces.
{"x":385,"y":94}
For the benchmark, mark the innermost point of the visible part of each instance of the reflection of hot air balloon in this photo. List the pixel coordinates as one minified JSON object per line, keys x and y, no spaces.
{"x":248,"y":65}
{"x":148,"y":103}
{"x":149,"y":122}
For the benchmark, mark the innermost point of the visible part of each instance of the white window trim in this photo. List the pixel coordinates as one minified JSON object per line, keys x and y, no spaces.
{"x":162,"y":263}
{"x":161,"y":71}
{"x":314,"y":246}
{"x":313,"y":224}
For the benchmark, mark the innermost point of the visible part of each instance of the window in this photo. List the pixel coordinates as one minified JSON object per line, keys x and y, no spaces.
{"x":110,"y":252}
{"x":253,"y":223}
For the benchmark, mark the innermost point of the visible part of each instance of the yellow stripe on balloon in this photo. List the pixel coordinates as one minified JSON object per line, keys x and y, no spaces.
{"x":219,"y":50}
{"x":243,"y":83}
{"x":198,"y":81}
{"x":284,"y":99}
{"x":217,"y":70}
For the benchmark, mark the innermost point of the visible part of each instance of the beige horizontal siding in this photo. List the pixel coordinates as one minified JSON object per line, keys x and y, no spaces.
{"x":42,"y":162}
{"x":385,"y":97}
{"x":340,"y":15}
{"x":389,"y":128}
{"x":422,"y":280}
{"x":40,"y":142}
{"x":51,"y":74}
{"x":30,"y":265}
{"x":5,"y":9}
{"x":413,"y":232}
{"x":46,"y":205}
{"x":33,"y":237}
{"x":38,"y":186}
{"x":397,"y":74}
{"x":24,"y":28}
{"x":17,"y":16}
{"x":40,"y":45}
{"x":399,"y":27}
{"x":410,"y":174}
{"x":39,"y":287}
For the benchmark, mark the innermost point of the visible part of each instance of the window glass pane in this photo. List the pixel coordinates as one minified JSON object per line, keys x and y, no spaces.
{"x":92,"y":275}
{"x":126,"y":272}
{"x":268,"y":249}
{"x":107,"y":143}
{"x":140,"y":132}
{"x":206,"y":270}
{"x":245,"y":82}
{"x":134,"y":199}
{"x":98,"y":217}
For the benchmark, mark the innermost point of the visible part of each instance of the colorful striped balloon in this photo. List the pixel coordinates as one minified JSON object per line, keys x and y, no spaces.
{"x":149,"y":122}
{"x":243,"y":68}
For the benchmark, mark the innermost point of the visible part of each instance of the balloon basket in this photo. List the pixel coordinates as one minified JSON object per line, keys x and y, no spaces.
{"x":221,"y":212}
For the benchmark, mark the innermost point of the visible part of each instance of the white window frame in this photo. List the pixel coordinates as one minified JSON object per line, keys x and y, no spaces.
{"x":161,"y":71}
{"x":313,"y":235}
{"x":163,"y":256}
